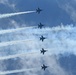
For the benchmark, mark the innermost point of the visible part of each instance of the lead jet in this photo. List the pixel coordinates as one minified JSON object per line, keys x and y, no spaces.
{"x":43,"y":51}
{"x":40,"y":25}
{"x":38,"y":10}
{"x":42,"y":38}
{"x":44,"y":67}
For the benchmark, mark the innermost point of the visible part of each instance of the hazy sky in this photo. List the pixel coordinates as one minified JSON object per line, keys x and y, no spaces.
{"x":20,"y":43}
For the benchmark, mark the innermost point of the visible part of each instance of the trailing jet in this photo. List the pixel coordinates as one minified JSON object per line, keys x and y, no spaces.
{"x":44,"y":67}
{"x":43,"y":51}
{"x":42,"y":38}
{"x":40,"y":25}
{"x":38,"y":10}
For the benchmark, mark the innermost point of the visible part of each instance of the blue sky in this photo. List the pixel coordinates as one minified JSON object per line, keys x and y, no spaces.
{"x":52,"y":14}
{"x":19,"y":39}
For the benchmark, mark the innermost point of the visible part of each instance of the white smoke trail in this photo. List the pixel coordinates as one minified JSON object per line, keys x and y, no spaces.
{"x":68,"y":28}
{"x":62,"y":40}
{"x":37,"y":31}
{"x":13,"y":42}
{"x":33,"y":53}
{"x":16,"y":71}
{"x":19,"y":55}
{"x":58,"y":40}
{"x":14,"y":30}
{"x":14,"y":14}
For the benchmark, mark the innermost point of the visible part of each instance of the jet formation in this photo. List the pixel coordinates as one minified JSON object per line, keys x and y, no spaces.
{"x":43,"y":51}
{"x":38,"y":10}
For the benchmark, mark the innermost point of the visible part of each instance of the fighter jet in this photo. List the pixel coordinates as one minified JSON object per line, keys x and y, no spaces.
{"x":44,"y":67}
{"x":38,"y":10}
{"x":42,"y":38}
{"x":40,"y":25}
{"x":43,"y":51}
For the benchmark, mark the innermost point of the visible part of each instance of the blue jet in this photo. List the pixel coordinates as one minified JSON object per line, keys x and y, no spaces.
{"x":40,"y":25}
{"x":43,"y":51}
{"x":42,"y":38}
{"x":38,"y":10}
{"x":44,"y":67}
